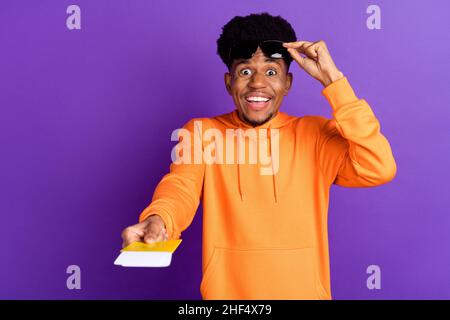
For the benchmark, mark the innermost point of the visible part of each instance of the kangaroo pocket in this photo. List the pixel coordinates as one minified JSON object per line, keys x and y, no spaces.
{"x":260,"y":274}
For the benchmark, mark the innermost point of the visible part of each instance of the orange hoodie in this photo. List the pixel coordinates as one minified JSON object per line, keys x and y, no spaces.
{"x":265,"y":236}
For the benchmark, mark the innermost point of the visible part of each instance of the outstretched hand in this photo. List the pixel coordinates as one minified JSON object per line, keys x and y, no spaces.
{"x":150,"y":230}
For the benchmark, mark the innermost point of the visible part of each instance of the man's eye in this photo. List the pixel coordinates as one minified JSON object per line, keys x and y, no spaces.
{"x":271,"y":72}
{"x":246,"y":72}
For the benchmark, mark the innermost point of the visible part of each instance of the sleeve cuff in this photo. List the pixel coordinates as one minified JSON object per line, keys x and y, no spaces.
{"x":339,"y":93}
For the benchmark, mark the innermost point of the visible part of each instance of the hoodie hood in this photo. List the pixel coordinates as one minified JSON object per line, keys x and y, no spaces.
{"x":231,"y":121}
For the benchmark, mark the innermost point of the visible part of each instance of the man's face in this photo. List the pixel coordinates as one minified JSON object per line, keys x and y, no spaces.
{"x":258,"y":78}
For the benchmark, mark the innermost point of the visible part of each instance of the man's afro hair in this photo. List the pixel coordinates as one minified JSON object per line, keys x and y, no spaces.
{"x":259,"y":27}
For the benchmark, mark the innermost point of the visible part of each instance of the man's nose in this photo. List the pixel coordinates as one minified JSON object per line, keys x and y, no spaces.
{"x":258,"y":80}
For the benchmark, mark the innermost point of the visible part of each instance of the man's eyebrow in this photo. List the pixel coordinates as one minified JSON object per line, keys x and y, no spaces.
{"x":277,"y":61}
{"x":247,"y":61}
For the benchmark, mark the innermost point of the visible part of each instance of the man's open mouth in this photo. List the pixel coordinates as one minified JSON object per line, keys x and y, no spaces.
{"x":254,"y":99}
{"x":257,"y":102}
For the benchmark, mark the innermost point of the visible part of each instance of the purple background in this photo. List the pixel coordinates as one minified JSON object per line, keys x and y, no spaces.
{"x":85,"y":124}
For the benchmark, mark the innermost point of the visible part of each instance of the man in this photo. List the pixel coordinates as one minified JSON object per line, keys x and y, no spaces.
{"x":265,"y":235}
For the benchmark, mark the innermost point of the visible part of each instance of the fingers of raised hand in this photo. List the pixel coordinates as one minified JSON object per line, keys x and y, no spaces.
{"x":310,"y":49}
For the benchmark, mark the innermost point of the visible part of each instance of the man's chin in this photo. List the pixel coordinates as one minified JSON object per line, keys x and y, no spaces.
{"x":257,"y":121}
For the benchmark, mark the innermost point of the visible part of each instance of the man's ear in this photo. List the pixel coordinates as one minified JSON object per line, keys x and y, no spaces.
{"x":289,"y":79}
{"x":227,"y":78}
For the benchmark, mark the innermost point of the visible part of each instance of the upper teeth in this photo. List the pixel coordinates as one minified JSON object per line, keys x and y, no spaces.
{"x":257,"y":99}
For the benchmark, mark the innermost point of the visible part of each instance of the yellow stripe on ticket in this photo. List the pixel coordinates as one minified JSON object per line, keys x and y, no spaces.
{"x":161,"y":246}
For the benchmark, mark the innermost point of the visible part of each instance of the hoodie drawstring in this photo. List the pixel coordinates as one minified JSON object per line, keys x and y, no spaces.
{"x":240,"y":184}
{"x":274,"y":180}
{"x":241,"y":193}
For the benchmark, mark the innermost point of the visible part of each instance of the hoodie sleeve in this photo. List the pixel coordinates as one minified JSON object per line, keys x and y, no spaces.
{"x":177,"y":195}
{"x":352,"y":151}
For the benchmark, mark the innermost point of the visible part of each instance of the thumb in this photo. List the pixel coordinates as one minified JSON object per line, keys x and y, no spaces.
{"x":297,"y":57}
{"x":154,"y":232}
{"x":132,"y":234}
